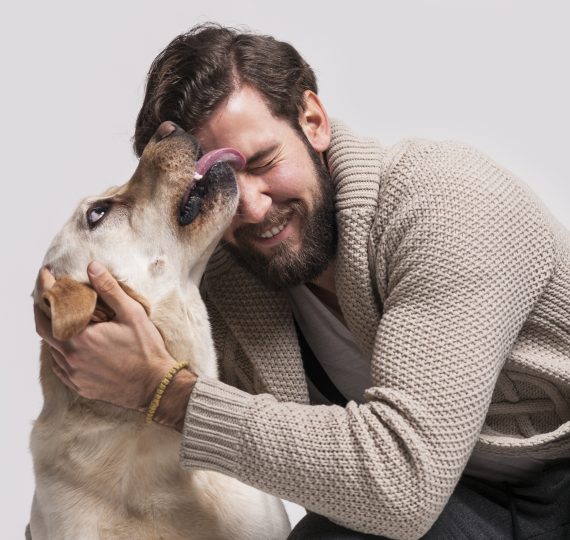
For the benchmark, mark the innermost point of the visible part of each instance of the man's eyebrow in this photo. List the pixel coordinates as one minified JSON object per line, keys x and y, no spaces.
{"x":262,"y":154}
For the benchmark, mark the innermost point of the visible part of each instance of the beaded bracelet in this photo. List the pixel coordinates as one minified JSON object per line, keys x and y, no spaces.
{"x":150,"y":412}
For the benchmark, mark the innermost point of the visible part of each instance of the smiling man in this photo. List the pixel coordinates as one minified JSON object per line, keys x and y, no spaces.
{"x":392,"y":323}
{"x":284,"y":231}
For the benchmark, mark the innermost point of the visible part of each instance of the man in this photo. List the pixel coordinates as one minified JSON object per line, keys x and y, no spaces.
{"x":420,"y":294}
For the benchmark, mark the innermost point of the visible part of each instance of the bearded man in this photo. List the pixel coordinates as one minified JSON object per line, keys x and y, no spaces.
{"x":392,"y":323}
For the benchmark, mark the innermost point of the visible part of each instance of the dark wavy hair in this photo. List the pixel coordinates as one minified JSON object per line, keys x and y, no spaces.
{"x":201,"y":68}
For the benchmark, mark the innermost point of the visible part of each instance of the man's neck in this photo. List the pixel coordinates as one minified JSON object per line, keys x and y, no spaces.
{"x":325,"y":280}
{"x":324,"y":288}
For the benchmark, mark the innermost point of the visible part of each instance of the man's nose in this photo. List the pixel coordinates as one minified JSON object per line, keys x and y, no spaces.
{"x":254,"y":198}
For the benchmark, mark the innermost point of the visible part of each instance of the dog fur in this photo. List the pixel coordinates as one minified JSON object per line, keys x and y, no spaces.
{"x":101,"y":472}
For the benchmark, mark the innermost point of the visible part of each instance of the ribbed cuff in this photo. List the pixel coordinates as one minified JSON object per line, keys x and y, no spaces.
{"x":211,"y":431}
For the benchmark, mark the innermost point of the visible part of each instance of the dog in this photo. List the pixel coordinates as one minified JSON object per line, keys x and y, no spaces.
{"x":101,"y":472}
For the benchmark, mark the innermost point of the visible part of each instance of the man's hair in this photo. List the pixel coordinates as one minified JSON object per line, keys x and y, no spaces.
{"x":200,"y":69}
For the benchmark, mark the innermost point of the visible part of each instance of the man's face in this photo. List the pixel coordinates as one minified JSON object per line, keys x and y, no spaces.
{"x":284,"y":230}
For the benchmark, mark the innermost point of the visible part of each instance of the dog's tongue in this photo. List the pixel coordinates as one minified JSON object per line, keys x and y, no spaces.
{"x":231,"y":156}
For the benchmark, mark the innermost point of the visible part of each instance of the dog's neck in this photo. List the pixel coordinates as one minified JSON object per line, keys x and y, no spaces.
{"x":182,"y":320}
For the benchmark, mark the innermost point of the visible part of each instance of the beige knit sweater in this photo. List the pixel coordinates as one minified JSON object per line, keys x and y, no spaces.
{"x":455,"y":282}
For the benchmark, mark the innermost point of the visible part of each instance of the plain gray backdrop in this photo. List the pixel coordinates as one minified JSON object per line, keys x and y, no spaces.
{"x":493,"y":73}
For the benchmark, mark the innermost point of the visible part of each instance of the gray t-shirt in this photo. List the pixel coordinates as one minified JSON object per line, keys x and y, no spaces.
{"x":333,"y":345}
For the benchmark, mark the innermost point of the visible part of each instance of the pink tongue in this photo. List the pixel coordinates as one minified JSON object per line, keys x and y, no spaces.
{"x":231,"y":156}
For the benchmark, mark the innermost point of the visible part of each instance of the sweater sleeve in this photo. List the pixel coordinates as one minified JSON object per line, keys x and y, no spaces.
{"x":461,"y":255}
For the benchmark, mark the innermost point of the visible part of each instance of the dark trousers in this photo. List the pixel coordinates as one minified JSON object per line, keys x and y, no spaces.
{"x":481,"y":510}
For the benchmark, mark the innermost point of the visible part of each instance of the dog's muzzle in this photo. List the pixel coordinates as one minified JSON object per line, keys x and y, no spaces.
{"x":208,"y":171}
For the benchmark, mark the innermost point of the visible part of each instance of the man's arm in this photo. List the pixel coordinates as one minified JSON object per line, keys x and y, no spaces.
{"x":462,"y":255}
{"x":172,"y":409}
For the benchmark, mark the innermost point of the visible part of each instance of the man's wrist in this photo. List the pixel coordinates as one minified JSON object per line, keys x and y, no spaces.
{"x":173,"y":404}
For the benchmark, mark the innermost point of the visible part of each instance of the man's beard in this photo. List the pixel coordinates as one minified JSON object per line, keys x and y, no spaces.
{"x":287,"y":267}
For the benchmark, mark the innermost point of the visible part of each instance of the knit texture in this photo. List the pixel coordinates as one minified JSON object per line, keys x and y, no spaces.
{"x":455,"y":282}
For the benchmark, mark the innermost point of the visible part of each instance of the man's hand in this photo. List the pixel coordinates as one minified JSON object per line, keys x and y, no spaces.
{"x":121,"y":361}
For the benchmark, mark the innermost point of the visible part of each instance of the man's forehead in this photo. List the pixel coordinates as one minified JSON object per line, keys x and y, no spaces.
{"x":243,"y":122}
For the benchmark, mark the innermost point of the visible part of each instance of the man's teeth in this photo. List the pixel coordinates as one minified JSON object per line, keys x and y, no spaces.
{"x":272,"y":232}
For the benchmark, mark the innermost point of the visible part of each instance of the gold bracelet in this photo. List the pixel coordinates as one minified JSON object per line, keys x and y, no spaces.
{"x":150,"y":412}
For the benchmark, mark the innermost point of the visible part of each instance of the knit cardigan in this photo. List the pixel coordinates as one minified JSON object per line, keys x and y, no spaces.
{"x":455,"y":282}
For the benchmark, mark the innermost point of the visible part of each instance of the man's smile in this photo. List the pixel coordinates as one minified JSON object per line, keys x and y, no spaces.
{"x":273,"y":231}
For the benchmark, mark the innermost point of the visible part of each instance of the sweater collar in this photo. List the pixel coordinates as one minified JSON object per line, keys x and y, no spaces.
{"x":357,"y":166}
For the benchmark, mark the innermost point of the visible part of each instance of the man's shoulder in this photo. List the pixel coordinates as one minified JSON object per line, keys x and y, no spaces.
{"x":411,"y":159}
{"x":423,"y":152}
{"x":444,"y":168}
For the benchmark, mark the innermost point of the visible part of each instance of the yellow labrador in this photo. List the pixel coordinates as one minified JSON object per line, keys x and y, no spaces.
{"x":101,"y":472}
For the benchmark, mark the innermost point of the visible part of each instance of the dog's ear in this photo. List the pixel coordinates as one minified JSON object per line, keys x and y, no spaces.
{"x":71,"y":305}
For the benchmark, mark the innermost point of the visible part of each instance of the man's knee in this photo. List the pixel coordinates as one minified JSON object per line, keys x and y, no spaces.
{"x":316,"y":527}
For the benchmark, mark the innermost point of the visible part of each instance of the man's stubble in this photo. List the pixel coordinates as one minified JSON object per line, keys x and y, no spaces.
{"x":285,"y":266}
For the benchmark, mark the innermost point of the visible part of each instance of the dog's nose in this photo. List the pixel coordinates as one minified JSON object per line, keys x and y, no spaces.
{"x":165,"y":129}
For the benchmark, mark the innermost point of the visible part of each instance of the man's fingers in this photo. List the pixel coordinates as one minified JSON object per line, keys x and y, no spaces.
{"x":60,"y":360}
{"x":108,"y":288}
{"x":43,"y":324}
{"x":61,"y":373}
{"x":43,"y":328}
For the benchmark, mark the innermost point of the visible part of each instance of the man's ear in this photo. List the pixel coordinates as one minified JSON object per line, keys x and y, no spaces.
{"x":70,"y":306}
{"x":314,"y":122}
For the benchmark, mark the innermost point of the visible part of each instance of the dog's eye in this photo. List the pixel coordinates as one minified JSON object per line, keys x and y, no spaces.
{"x":96,"y":213}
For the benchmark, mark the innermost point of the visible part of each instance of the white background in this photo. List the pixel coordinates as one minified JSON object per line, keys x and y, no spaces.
{"x":493,"y":73}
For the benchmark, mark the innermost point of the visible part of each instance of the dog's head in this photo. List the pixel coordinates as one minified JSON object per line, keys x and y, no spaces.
{"x":156,"y":232}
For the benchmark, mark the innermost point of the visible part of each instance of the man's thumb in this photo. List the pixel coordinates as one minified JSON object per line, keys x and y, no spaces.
{"x":96,"y":269}
{"x":108,"y":288}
